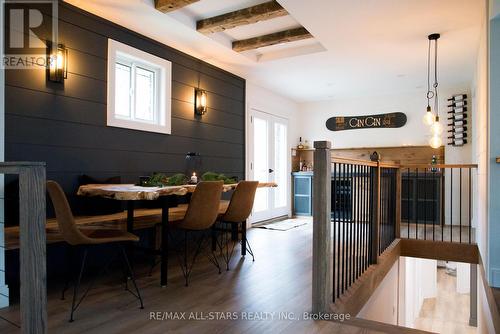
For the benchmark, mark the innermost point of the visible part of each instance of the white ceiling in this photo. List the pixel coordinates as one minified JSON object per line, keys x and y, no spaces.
{"x":360,"y":47}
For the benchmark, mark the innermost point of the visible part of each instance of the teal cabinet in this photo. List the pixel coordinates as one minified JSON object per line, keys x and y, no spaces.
{"x":302,"y":194}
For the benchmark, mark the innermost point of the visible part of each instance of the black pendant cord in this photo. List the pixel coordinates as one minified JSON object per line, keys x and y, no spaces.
{"x":436,"y":102}
{"x":429,"y":92}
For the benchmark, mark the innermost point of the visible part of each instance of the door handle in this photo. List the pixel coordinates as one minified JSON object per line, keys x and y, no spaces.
{"x":271,"y":170}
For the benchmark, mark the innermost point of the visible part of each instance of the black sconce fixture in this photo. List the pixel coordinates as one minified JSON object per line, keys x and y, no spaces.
{"x":200,"y":101}
{"x":57,"y":63}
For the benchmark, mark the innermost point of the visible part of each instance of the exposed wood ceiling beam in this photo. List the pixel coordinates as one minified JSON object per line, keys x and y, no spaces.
{"x":166,"y":6}
{"x":286,"y":36}
{"x":261,"y":12}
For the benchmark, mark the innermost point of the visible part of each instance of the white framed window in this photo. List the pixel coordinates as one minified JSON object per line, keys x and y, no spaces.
{"x":139,"y":89}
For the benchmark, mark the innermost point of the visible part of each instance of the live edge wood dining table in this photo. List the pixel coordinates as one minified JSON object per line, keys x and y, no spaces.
{"x":167,"y":196}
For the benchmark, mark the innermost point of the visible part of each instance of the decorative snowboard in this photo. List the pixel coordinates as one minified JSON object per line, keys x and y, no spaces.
{"x":390,"y":120}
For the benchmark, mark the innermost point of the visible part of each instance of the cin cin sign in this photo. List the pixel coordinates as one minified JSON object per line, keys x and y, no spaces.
{"x":391,"y":120}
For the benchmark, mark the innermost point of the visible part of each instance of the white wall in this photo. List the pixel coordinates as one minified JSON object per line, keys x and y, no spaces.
{"x":418,"y":282}
{"x":267,"y":101}
{"x":463,"y":277}
{"x":314,"y":115}
{"x":383,"y":304}
{"x":484,"y":319}
{"x":480,"y":154}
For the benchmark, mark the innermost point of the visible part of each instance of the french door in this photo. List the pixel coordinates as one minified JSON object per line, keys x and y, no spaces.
{"x":268,"y":162}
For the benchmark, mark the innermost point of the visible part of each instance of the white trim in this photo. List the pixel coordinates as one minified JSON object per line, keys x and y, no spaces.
{"x":272,"y":118}
{"x":4,"y":289}
{"x":4,"y":300}
{"x":162,"y":67}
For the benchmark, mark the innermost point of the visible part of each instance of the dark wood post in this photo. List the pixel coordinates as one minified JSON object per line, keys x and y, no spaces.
{"x":375,"y":232}
{"x":32,"y":252}
{"x":397,"y":212}
{"x":322,"y":235}
{"x":473,"y":295}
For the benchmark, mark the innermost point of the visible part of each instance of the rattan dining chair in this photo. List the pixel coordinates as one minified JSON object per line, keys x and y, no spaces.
{"x":235,"y":220}
{"x":200,"y":216}
{"x":83,"y":239}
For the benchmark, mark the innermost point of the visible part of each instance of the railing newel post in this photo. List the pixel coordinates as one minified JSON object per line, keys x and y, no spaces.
{"x":322,"y":234}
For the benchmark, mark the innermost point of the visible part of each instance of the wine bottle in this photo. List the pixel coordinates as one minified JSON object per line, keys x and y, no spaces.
{"x":458,"y":142}
{"x":457,"y":104}
{"x":458,"y":123}
{"x":458,"y":97}
{"x":458,"y":117}
{"x":457,"y":110}
{"x":460,"y":135}
{"x":458,"y":129}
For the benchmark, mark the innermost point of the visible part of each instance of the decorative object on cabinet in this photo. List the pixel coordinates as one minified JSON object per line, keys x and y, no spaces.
{"x":300,"y":146}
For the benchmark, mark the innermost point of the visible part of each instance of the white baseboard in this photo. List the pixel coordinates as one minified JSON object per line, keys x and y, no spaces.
{"x":4,"y":296}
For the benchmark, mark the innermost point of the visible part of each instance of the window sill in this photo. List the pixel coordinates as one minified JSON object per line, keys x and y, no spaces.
{"x":131,"y":125}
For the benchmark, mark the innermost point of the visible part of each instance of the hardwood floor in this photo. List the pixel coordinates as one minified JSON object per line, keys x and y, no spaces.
{"x":279,"y":281}
{"x":449,"y":311}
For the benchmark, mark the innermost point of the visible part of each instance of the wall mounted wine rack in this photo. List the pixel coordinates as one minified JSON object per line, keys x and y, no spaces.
{"x":457,"y":120}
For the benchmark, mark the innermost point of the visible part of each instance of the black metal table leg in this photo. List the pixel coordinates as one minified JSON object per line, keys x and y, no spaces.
{"x":243,"y":237}
{"x":130,"y":216}
{"x":130,"y":226}
{"x":164,"y":242}
{"x":234,"y":232}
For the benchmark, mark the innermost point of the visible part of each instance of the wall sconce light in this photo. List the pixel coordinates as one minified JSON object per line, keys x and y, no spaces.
{"x":200,"y":103}
{"x":58,"y":63}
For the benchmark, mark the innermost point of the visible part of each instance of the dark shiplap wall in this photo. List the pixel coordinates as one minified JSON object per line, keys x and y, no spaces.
{"x":65,"y":125}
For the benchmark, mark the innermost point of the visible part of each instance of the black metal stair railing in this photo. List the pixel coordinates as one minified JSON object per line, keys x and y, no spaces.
{"x":351,"y":188}
{"x":370,"y":204}
{"x":363,"y":205}
{"x":436,"y":203}
{"x":388,"y":198}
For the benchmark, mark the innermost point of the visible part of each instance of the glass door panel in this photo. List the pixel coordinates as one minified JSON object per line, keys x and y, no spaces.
{"x":280,"y":164}
{"x":269,"y":162}
{"x":261,"y":162}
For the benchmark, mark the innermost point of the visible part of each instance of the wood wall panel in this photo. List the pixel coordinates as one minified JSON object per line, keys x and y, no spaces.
{"x":407,"y":155}
{"x":70,"y":159}
{"x":400,"y":155}
{"x":65,"y":134}
{"x":65,"y":124}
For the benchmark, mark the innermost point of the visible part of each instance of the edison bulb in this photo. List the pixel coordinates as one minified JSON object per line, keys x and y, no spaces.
{"x":429,"y":118}
{"x":436,"y":129}
{"x":435,"y":141}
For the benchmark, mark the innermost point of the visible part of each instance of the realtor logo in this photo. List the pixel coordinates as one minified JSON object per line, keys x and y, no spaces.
{"x":30,"y":27}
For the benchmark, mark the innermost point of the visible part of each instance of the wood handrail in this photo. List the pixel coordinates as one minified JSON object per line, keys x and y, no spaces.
{"x":354,"y":161}
{"x":394,"y":165}
{"x":389,"y":165}
{"x":443,"y":166}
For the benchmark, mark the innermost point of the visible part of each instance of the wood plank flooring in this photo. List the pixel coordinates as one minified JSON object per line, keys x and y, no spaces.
{"x":449,"y":311}
{"x":279,"y":281}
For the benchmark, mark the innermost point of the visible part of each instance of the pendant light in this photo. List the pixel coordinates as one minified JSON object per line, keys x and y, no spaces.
{"x":432,"y":93}
{"x":429,"y":116}
{"x":435,"y":142}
